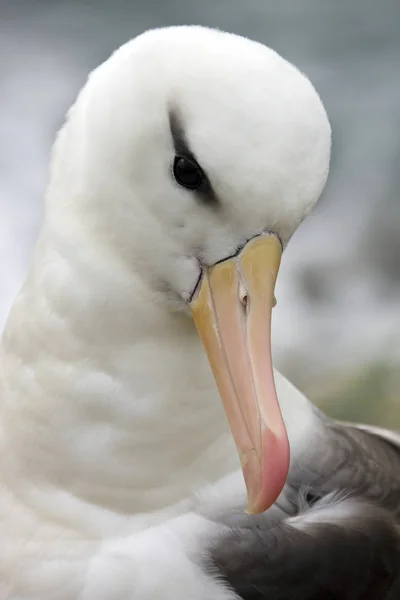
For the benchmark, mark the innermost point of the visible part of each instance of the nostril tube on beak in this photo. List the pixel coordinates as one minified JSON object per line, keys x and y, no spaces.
{"x":243,"y":295}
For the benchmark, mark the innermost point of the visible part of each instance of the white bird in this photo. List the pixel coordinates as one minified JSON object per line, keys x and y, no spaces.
{"x":186,"y":164}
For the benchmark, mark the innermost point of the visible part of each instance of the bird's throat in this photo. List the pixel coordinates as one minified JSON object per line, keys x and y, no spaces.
{"x":108,"y":398}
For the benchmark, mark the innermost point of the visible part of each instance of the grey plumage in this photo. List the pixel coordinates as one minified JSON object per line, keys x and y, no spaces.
{"x":334,"y":533}
{"x":333,"y":556}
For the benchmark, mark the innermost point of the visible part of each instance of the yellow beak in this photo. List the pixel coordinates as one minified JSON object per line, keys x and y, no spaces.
{"x":232,"y":311}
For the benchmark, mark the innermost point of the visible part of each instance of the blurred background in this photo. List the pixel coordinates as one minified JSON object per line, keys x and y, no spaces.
{"x":337,"y":322}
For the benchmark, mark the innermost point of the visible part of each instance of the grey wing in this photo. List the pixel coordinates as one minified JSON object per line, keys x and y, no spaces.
{"x":351,"y":461}
{"x":338,"y":537}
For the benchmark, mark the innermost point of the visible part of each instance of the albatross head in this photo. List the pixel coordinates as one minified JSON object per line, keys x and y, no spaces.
{"x":196,"y":155}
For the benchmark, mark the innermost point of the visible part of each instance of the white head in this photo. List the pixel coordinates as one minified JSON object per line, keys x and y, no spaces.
{"x":254,"y":123}
{"x":180,"y":108}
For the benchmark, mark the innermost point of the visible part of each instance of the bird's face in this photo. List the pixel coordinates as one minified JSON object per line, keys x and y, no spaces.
{"x":212,"y":149}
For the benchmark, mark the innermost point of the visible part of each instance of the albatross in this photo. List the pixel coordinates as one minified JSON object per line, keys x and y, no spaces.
{"x":148,"y":448}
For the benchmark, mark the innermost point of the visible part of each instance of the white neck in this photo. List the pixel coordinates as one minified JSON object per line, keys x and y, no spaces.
{"x":106,"y":393}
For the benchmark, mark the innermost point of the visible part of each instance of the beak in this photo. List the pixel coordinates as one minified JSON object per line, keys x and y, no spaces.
{"x":232,"y":311}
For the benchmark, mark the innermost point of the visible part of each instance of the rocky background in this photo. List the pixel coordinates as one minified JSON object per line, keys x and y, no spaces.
{"x":337,"y":323}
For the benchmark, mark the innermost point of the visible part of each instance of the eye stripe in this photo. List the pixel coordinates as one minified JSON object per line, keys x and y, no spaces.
{"x":179,"y":137}
{"x":205,"y":192}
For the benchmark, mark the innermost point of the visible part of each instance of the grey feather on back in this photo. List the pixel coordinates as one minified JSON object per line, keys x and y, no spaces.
{"x":329,"y":557}
{"x":351,"y":461}
{"x":335,"y":534}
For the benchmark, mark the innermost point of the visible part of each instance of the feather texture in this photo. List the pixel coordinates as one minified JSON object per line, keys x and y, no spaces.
{"x":339,"y":537}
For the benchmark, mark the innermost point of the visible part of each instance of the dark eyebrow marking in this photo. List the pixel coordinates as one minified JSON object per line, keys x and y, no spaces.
{"x":181,"y":146}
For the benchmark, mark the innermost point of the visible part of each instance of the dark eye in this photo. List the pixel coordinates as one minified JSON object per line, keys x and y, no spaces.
{"x":187,"y":173}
